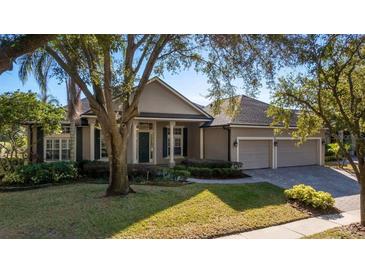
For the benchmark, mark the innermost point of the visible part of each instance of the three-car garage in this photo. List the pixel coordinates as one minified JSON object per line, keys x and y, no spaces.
{"x":270,"y":152}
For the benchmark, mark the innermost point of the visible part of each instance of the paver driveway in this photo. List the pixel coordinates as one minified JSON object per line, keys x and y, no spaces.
{"x":321,"y":178}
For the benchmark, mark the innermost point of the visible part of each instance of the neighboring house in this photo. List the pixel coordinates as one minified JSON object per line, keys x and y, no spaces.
{"x":171,"y":125}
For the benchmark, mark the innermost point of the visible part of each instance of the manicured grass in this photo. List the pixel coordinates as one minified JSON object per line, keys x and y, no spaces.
{"x":336,"y":233}
{"x":189,"y":211}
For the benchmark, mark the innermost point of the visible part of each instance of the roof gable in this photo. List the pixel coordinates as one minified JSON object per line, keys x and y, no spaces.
{"x":159,"y":97}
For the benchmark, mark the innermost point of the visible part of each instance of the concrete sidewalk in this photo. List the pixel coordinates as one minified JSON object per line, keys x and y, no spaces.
{"x":299,"y":229}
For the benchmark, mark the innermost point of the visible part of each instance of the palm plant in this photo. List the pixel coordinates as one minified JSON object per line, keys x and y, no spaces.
{"x":39,"y":63}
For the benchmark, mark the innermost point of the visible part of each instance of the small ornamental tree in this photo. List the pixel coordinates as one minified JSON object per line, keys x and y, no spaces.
{"x":104,"y":67}
{"x":327,"y":92}
{"x":16,"y":109}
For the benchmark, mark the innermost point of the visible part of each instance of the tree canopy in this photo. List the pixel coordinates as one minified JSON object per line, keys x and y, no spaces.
{"x":328,"y":93}
{"x":19,"y":108}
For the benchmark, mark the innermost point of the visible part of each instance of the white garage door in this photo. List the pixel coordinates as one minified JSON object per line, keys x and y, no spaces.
{"x":254,"y":154}
{"x":289,"y":154}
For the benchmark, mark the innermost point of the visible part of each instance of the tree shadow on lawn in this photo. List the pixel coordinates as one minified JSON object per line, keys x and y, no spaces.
{"x":77,"y":211}
{"x":166,"y":206}
{"x":248,"y":196}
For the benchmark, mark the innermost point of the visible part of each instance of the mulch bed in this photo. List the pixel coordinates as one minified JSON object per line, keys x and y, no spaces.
{"x":356,"y":229}
{"x":313,"y":212}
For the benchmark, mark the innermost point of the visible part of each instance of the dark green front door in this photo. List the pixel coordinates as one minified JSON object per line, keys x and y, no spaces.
{"x":144,"y":147}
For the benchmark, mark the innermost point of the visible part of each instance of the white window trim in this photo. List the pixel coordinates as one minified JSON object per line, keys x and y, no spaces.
{"x":182,"y":143}
{"x":60,"y":148}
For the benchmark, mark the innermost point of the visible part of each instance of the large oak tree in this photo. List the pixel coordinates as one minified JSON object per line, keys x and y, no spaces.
{"x":104,"y":67}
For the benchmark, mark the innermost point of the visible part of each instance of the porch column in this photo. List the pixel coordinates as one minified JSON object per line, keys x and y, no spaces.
{"x":92,"y":138}
{"x":154,"y":142}
{"x":134,"y":142}
{"x":275,"y":154}
{"x":73,"y":141}
{"x":172,"y":154}
{"x":29,"y":144}
{"x":201,"y":143}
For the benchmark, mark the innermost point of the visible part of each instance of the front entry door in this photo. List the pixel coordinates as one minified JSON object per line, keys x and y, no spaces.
{"x":144,"y":147}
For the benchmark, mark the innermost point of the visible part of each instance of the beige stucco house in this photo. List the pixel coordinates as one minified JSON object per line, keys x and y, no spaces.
{"x":171,"y":128}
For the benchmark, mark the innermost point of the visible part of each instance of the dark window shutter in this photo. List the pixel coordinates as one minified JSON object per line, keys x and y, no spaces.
{"x":97,"y":144}
{"x":164,"y":142}
{"x":185,"y":142}
{"x":78,"y":144}
{"x":40,"y":144}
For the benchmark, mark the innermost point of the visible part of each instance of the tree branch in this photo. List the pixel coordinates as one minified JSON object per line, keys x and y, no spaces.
{"x":20,"y":46}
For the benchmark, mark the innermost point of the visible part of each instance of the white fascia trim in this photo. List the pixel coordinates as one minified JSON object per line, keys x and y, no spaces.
{"x":253,"y":126}
{"x":291,"y":138}
{"x":172,"y":119}
{"x":254,"y":138}
{"x":178,"y":94}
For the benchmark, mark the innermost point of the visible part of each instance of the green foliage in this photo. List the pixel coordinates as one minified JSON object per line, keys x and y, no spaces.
{"x":42,"y":173}
{"x":209,"y":163}
{"x":309,"y":196}
{"x":179,"y":167}
{"x":335,"y":149}
{"x":16,"y":109}
{"x":328,"y":93}
{"x":138,"y":172}
{"x":12,"y":178}
{"x":215,"y":173}
{"x":180,"y":174}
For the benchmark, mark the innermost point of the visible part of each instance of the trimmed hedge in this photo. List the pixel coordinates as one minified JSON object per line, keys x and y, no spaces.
{"x":215,"y":173}
{"x":136,"y":172}
{"x":211,"y":164}
{"x":309,"y":196}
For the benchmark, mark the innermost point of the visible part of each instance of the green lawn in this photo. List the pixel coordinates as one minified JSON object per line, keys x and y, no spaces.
{"x":189,"y":211}
{"x":336,"y":233}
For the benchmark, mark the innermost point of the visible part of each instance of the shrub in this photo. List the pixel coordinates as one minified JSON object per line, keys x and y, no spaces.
{"x":217,"y":173}
{"x":207,"y":163}
{"x":180,"y":167}
{"x":180,"y":175}
{"x":94,"y":169}
{"x":145,"y":172}
{"x":42,"y":173}
{"x":309,"y":196}
{"x":12,"y":178}
{"x":202,"y":172}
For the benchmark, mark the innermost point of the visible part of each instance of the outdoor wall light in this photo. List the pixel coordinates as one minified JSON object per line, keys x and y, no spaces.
{"x":235,"y":143}
{"x":323,"y":142}
{"x":275,"y":143}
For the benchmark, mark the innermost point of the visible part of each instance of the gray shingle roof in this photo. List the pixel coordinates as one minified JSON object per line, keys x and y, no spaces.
{"x":251,"y":112}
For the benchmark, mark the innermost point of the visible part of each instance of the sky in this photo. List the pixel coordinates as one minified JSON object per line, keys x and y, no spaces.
{"x":191,"y":84}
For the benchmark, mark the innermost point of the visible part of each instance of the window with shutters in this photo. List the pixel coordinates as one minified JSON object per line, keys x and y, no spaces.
{"x":178,"y":141}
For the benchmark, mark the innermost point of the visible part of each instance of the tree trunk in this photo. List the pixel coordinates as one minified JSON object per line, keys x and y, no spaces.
{"x":362,"y":198}
{"x":118,"y":168}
